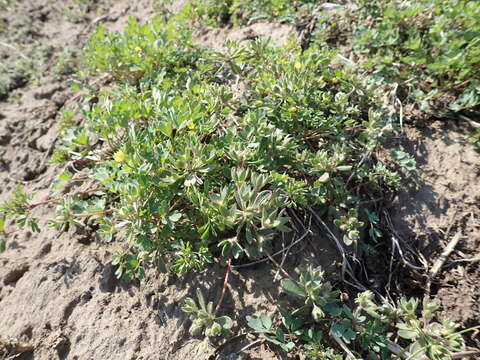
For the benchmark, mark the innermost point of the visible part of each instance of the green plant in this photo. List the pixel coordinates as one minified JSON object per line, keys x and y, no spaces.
{"x":187,"y":259}
{"x":365,"y":330}
{"x":429,"y":49}
{"x":4,"y":4}
{"x":66,"y":63}
{"x":76,"y":11}
{"x":427,"y":337}
{"x":205,"y":322}
{"x":3,"y":242}
{"x":129,"y":266}
{"x":192,"y":171}
{"x":318,"y":294}
{"x":262,"y":325}
{"x":18,"y":210}
{"x":374,"y":221}
{"x":221,"y":13}
{"x":475,"y":136}
{"x":403,"y":159}
{"x":185,"y":168}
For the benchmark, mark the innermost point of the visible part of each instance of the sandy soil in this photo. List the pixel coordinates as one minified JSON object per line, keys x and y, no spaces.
{"x":58,"y":296}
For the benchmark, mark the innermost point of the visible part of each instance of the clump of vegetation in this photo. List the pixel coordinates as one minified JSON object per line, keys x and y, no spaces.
{"x":77,"y":11}
{"x":18,"y":208}
{"x":239,"y":12}
{"x":205,"y":322}
{"x":20,"y":53}
{"x":325,"y":324}
{"x":192,"y":169}
{"x":429,"y":48}
{"x":12,"y":78}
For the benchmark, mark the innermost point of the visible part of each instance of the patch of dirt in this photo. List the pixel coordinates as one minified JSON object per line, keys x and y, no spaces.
{"x":441,"y":198}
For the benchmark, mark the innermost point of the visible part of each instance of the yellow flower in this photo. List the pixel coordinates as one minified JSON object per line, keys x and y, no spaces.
{"x":119,"y":156}
{"x":298,"y":65}
{"x":138,"y":50}
{"x":190,"y":125}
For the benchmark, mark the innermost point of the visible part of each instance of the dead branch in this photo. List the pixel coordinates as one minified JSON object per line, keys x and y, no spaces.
{"x":225,"y":284}
{"x":342,"y":344}
{"x":441,"y":260}
{"x":278,"y":265}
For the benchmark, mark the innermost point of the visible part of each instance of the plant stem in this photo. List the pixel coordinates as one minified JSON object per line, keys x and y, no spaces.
{"x":278,"y":265}
{"x":34,"y":205}
{"x":225,"y":283}
{"x":94,"y":213}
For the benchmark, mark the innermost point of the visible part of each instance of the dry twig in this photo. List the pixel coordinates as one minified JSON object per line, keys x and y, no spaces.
{"x":278,"y":265}
{"x":225,"y":284}
{"x":441,"y":260}
{"x":346,"y":267}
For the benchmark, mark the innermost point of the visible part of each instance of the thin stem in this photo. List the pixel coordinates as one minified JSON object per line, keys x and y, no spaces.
{"x":94,"y":213}
{"x":225,"y":283}
{"x":278,"y":265}
{"x":265,"y":259}
{"x":34,"y":205}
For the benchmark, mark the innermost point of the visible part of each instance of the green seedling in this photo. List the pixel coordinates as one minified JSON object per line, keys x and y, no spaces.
{"x":18,"y":210}
{"x":403,"y":159}
{"x":319,"y":295}
{"x":205,"y":321}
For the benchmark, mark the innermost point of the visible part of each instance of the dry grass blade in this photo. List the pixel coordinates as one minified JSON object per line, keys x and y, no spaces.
{"x":278,"y":265}
{"x":396,"y":240}
{"x":342,"y":344}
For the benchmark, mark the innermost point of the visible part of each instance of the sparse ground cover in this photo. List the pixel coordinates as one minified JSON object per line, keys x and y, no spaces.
{"x":189,"y":156}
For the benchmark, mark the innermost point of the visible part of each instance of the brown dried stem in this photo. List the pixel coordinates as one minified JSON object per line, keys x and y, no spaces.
{"x":225,"y":284}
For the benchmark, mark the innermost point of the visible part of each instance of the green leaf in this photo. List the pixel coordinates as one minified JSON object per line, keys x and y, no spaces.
{"x":406,"y":332}
{"x":344,"y":168}
{"x":225,"y":321}
{"x":293,"y":288}
{"x":333,"y":309}
{"x":166,"y":128}
{"x":116,"y":259}
{"x":261,"y":324}
{"x":174,"y":217}
{"x":344,"y":330}
{"x":196,"y":328}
